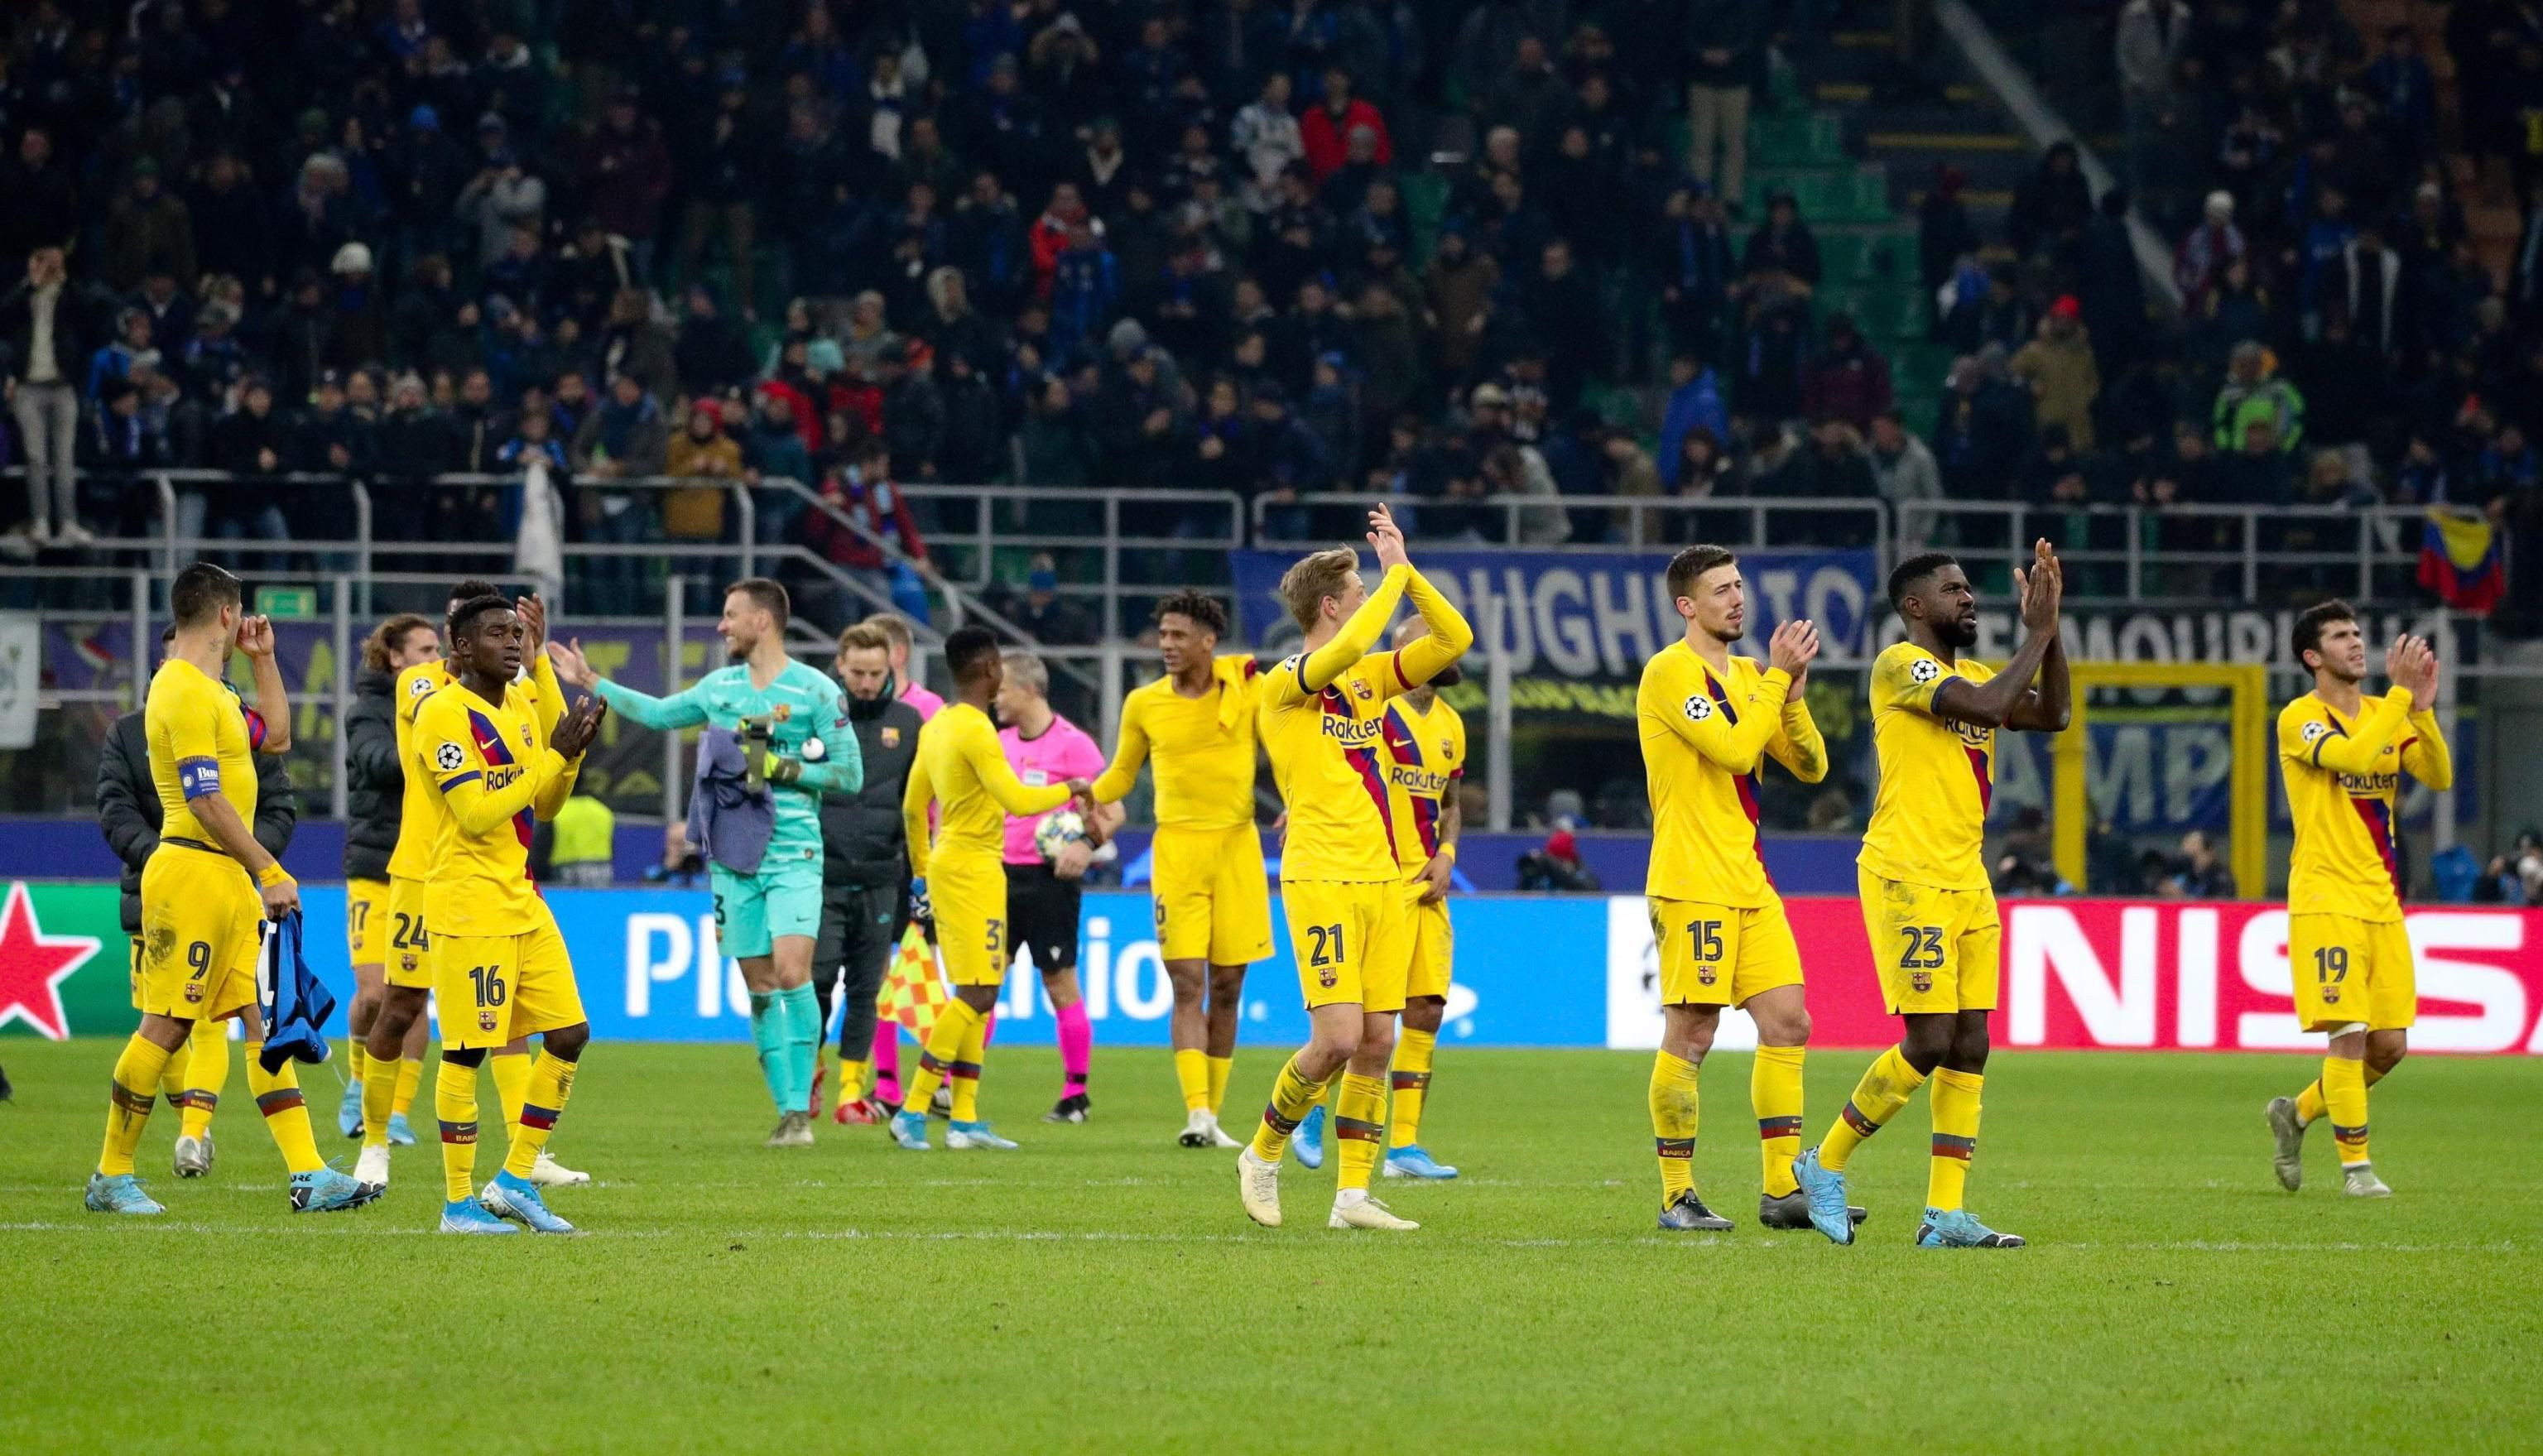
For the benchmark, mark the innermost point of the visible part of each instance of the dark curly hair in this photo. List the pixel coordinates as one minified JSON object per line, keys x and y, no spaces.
{"x":1203,"y":608}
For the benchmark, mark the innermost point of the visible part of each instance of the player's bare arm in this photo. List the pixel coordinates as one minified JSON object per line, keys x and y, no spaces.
{"x":272,"y":703}
{"x":1991,"y":704}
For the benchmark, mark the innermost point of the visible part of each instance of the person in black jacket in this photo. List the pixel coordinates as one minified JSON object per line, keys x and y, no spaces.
{"x":865,"y":867}
{"x":128,"y":811}
{"x":374,"y":796}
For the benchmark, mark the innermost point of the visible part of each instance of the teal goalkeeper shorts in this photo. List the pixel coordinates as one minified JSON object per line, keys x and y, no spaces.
{"x":783,"y":898}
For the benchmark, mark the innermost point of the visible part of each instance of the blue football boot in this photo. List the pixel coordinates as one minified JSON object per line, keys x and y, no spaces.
{"x":1957,"y":1230}
{"x":468,"y":1216}
{"x":121,"y":1193}
{"x":400,"y":1134}
{"x":329,"y":1189}
{"x":1307,"y":1144}
{"x":517,"y":1198}
{"x":348,"y":1112}
{"x":1825,"y":1191}
{"x":909,"y":1129}
{"x":1413,"y":1161}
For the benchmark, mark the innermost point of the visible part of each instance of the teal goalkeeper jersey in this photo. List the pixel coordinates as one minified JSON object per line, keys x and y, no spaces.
{"x":803,"y":707}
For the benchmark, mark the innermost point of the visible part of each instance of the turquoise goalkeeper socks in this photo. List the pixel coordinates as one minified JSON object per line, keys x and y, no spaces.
{"x":801,"y":1012}
{"x":768,"y":1022}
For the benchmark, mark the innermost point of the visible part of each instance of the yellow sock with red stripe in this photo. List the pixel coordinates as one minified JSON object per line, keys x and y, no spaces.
{"x":1292,"y":1094}
{"x":551,"y":1081}
{"x":128,"y":1100}
{"x":511,"y":1073}
{"x":379,"y":1100}
{"x":2310,"y":1104}
{"x":955,"y":1023}
{"x":454,"y":1103}
{"x":965,"y":1071}
{"x":1775,"y":1091}
{"x":1409,"y":1080}
{"x":1674,"y":1113}
{"x":410,"y":1076}
{"x":1359,"y":1127}
{"x":286,"y":1111}
{"x":1191,"y":1075}
{"x":2343,"y":1092}
{"x":206,"y":1059}
{"x":1883,"y":1089}
{"x":1220,"y":1069}
{"x":1954,"y":1102}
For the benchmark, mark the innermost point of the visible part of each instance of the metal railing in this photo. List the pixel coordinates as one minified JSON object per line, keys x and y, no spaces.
{"x":1634,"y":521}
{"x":1075,"y":524}
{"x":2183,"y":552}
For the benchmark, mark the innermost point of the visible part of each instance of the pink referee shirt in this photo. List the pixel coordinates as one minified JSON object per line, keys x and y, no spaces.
{"x":927,"y":703}
{"x":1063,"y":752}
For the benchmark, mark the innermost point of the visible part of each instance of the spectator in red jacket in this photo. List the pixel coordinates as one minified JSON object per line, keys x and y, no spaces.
{"x":868,"y":497}
{"x":1850,"y":381}
{"x":1325,"y":131}
{"x":1047,"y":237}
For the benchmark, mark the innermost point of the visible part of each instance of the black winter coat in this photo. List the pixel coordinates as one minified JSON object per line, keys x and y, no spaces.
{"x":127,"y":807}
{"x":374,"y":780}
{"x":861,"y":840}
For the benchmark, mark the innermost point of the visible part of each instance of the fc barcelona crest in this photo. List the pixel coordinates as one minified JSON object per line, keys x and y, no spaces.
{"x":1922,"y":980}
{"x":485,"y":1021}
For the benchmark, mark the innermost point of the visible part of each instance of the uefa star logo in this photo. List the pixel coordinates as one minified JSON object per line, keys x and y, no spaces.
{"x":33,"y":966}
{"x":1698,"y":707}
{"x":1925,"y":669}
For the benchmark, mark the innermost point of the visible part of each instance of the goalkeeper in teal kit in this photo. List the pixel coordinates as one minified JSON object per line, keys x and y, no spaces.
{"x":789,"y":737}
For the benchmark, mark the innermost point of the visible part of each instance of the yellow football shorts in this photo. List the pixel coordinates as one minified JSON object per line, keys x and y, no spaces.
{"x":2352,"y":973}
{"x":1937,"y":950}
{"x":1434,"y":944}
{"x":1352,"y":940}
{"x":1721,"y":955}
{"x":493,"y":988}
{"x":367,"y":921}
{"x":969,"y":896}
{"x":201,"y":922}
{"x":1212,"y":901}
{"x":408,"y":949}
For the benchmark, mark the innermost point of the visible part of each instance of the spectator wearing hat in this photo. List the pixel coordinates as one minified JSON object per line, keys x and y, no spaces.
{"x":1064,"y":72}
{"x":359,"y":332}
{"x":502,"y":196}
{"x":2198,"y":264}
{"x":147,"y":228}
{"x":701,"y":452}
{"x":1049,"y":617}
{"x":2058,"y":367}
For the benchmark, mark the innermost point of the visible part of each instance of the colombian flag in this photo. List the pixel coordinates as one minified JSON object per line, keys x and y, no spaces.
{"x":2459,"y":560}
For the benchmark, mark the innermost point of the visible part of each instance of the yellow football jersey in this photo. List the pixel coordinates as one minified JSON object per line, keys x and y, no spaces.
{"x":1937,"y":775}
{"x":199,"y":744}
{"x":1203,"y":748}
{"x":1704,"y":739}
{"x":960,"y":767}
{"x":490,"y":766}
{"x":1426,"y":759}
{"x":419,"y":805}
{"x":2342,"y":779}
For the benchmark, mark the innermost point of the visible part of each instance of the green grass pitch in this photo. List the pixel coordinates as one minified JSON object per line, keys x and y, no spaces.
{"x":1100,"y":1291}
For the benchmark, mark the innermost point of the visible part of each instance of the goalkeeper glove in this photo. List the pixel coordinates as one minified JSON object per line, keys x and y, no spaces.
{"x":777,"y":768}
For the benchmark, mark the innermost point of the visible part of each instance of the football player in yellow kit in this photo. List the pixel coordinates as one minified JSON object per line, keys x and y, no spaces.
{"x":2343,"y":753}
{"x":1340,"y":885}
{"x":1927,"y":904}
{"x":1708,"y":723}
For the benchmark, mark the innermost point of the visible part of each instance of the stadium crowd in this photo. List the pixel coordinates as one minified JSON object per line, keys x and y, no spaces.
{"x":1459,"y":252}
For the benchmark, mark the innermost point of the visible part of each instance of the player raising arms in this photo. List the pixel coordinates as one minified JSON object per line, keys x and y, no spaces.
{"x":770,"y":918}
{"x":1425,"y":761}
{"x":205,"y":892}
{"x":963,"y":875}
{"x":2342,"y":755}
{"x":1213,"y":905}
{"x":1708,"y":722}
{"x":1927,"y":904}
{"x":1320,"y":716}
{"x":499,"y":968}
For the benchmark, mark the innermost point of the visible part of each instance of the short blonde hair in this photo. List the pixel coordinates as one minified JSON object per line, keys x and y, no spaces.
{"x":864,"y":637}
{"x":1306,"y":586}
{"x":1026,"y":671}
{"x":893,"y":626}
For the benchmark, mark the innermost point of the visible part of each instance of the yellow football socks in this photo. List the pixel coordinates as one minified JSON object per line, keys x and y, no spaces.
{"x":965,"y":1071}
{"x":380,"y":1099}
{"x":1192,"y":1074}
{"x":511,"y":1071}
{"x":454,"y":1101}
{"x":1291,"y":1096}
{"x":206,"y":1055}
{"x":2310,"y":1104}
{"x":1954,"y":1101}
{"x":551,"y":1081}
{"x":410,"y":1076}
{"x":1675,"y":1108}
{"x":1220,"y":1069}
{"x":356,"y":1056}
{"x":1775,"y":1089}
{"x":128,"y":1102}
{"x":1883,"y":1089}
{"x":954,"y":1023}
{"x":852,"y":1081}
{"x":2343,"y":1092}
{"x":1359,"y":1125}
{"x":286,"y":1112}
{"x":1410,"y":1080}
